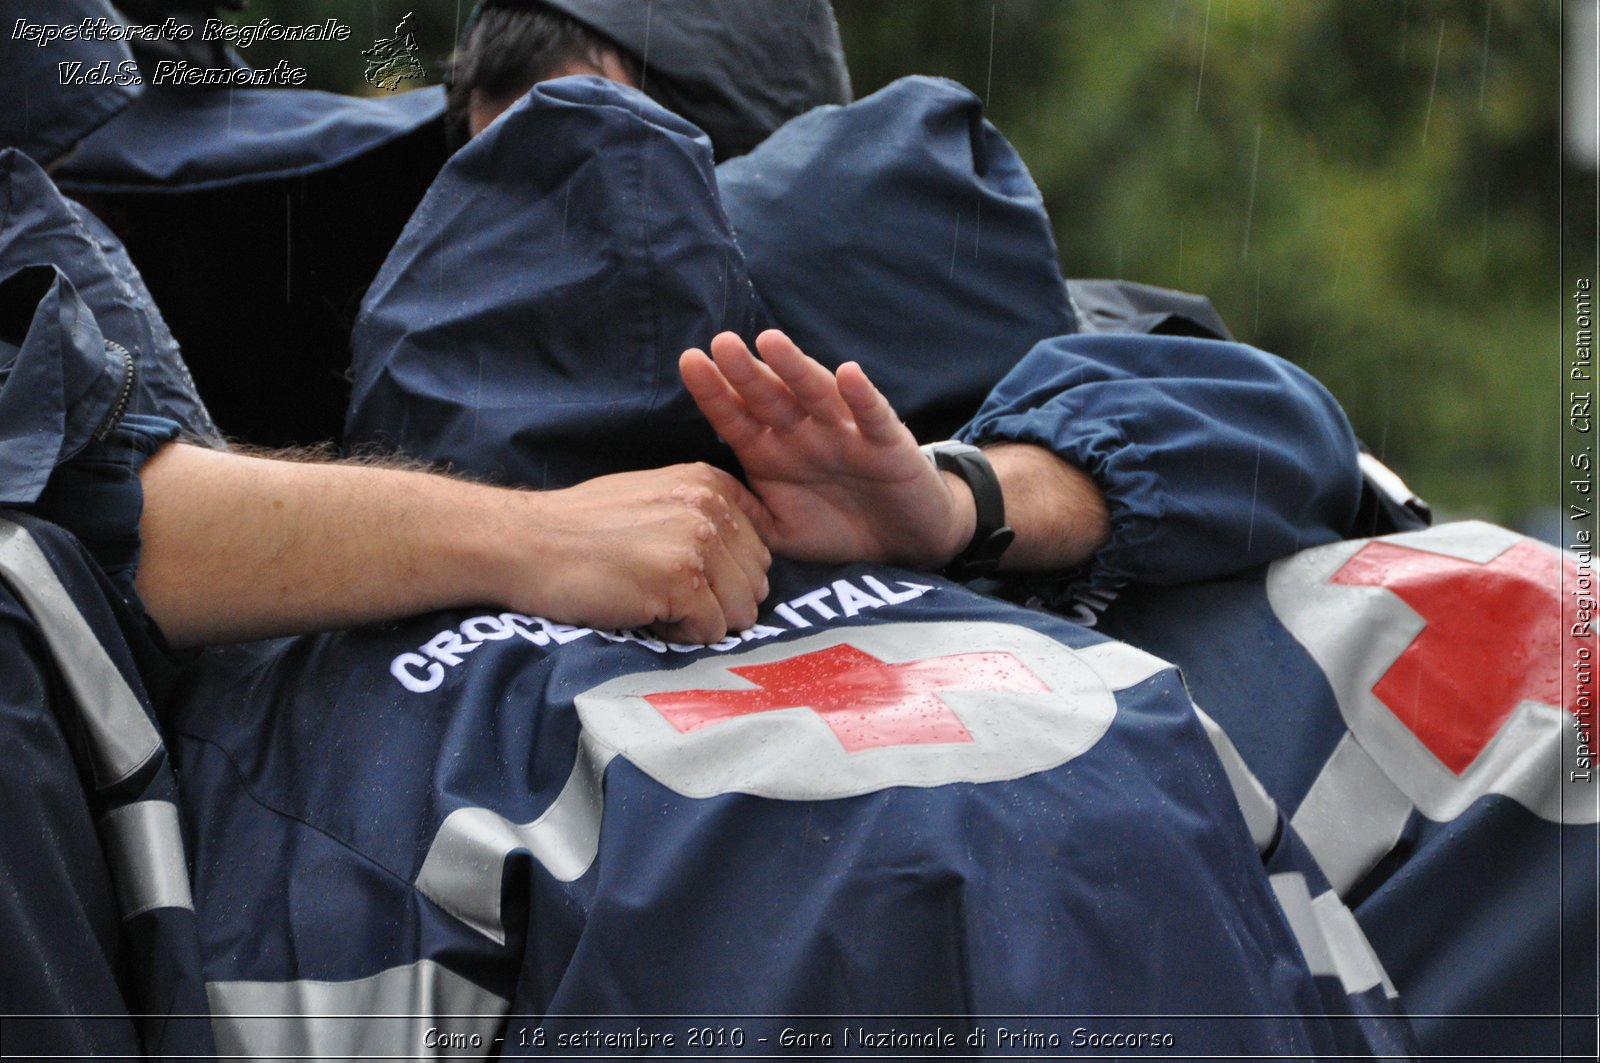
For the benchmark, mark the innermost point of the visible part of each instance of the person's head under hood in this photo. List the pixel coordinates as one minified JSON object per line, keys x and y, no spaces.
{"x":738,"y":71}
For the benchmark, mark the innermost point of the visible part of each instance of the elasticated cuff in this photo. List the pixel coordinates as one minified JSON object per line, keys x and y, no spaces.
{"x":1133,"y":496}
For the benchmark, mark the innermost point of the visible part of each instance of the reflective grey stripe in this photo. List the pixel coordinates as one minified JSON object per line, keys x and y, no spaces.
{"x":121,"y":737}
{"x":1329,"y":936}
{"x":462,"y":870}
{"x":390,"y":1013}
{"x":1295,"y":900}
{"x":1120,"y":665}
{"x":1260,"y":811}
{"x":1352,"y":816}
{"x":1385,"y":479}
{"x":145,"y":850}
{"x":1359,"y":966}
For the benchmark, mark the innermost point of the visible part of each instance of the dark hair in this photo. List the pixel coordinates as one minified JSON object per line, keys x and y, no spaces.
{"x":512,"y":45}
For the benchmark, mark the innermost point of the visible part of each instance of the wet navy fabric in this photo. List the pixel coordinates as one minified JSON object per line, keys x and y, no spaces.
{"x":905,"y":233}
{"x":1212,"y":456}
{"x":98,"y":977}
{"x":516,"y":336}
{"x":1473,"y":915}
{"x":527,"y":324}
{"x":1120,"y":882}
{"x":42,"y":117}
{"x":237,"y":136}
{"x":90,"y":978}
{"x":38,"y":225}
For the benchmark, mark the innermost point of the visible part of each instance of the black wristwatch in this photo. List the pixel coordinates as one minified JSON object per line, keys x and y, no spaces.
{"x":991,"y":536}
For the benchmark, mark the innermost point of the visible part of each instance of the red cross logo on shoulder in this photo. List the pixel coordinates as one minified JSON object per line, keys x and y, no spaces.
{"x":1492,"y":640}
{"x":865,"y":702}
{"x":853,"y":711}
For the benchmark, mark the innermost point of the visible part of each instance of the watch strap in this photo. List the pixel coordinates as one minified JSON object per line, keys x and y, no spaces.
{"x":990,"y":536}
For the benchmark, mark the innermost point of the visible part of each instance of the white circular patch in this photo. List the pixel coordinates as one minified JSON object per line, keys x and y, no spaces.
{"x":860,"y":709}
{"x":1356,"y":633}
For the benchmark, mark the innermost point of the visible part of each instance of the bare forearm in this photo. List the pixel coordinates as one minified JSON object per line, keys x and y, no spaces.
{"x":240,"y":547}
{"x":840,"y":478}
{"x":1056,"y":509}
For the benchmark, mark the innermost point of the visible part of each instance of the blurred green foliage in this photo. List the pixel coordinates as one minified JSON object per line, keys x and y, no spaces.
{"x":1371,"y":188}
{"x":1367,"y":187}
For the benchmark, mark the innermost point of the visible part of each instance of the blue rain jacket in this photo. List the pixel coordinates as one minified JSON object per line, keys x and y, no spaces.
{"x":183,"y":140}
{"x":256,"y":216}
{"x":905,"y":233}
{"x":1404,"y":701}
{"x":39,"y":226}
{"x":1212,"y":456}
{"x":98,"y":924}
{"x":527,"y":324}
{"x":44,"y":117}
{"x":92,"y":383}
{"x":891,"y":797}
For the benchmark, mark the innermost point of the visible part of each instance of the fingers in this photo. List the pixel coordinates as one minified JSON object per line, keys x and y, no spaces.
{"x":780,"y":390}
{"x":691,"y":617}
{"x":766,"y":397}
{"x":677,"y":549}
{"x":808,"y":381}
{"x":740,"y":518}
{"x":719,"y":583}
{"x":712,"y":595}
{"x":873,"y":415}
{"x":738,"y":597}
{"x":721,"y":405}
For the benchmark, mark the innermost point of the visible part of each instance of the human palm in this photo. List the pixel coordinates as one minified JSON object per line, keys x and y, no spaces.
{"x":838,"y":477}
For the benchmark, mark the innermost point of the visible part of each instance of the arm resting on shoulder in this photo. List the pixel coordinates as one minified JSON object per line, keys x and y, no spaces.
{"x":1211,"y":456}
{"x":1143,"y":458}
{"x":840,"y":479}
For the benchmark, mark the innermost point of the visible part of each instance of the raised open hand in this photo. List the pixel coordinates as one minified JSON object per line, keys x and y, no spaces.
{"x":839,"y":478}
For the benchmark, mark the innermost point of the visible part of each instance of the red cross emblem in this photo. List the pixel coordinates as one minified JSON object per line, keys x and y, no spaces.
{"x":1493,"y":639}
{"x":865,"y":702}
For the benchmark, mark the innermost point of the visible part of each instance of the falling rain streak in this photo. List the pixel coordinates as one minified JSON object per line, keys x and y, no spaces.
{"x":1255,"y":489}
{"x":644,"y":58}
{"x":1250,"y":208}
{"x":988,"y":102}
{"x":1438,"y":50}
{"x":988,"y":83}
{"x":1483,"y":74}
{"x":955,"y":245}
{"x":566,"y":208}
{"x":1255,"y":328}
{"x":477,"y":396}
